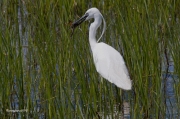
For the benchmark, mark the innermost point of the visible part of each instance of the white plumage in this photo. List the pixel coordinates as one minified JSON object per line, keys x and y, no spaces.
{"x":108,"y":62}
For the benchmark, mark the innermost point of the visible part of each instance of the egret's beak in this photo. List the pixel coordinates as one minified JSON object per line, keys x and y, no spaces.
{"x":78,"y":22}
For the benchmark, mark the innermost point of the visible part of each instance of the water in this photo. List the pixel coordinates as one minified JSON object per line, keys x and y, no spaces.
{"x":170,"y":97}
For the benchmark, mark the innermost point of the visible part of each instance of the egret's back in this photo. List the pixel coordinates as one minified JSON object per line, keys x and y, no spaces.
{"x":110,"y":64}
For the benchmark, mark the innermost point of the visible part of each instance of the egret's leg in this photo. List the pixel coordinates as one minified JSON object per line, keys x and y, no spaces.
{"x":101,"y":79}
{"x":101,"y":84}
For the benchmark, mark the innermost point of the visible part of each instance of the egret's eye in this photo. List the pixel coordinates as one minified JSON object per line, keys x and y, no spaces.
{"x":87,"y":14}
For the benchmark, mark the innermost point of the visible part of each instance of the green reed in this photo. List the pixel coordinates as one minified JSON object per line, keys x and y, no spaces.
{"x":51,"y":73}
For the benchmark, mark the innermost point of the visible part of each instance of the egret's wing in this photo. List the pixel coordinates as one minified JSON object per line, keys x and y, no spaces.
{"x":110,"y":64}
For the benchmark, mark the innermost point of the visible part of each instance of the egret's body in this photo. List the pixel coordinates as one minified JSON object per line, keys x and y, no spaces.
{"x":108,"y":62}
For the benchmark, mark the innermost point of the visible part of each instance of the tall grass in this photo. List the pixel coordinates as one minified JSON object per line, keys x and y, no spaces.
{"x":52,"y":75}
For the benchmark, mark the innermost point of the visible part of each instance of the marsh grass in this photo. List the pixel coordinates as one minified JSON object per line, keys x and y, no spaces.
{"x":51,"y":73}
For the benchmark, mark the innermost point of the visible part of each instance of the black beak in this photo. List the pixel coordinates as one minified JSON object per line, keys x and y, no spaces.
{"x":78,"y":22}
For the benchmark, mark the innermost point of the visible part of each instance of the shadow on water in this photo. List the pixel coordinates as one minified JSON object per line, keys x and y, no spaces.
{"x":170,"y":79}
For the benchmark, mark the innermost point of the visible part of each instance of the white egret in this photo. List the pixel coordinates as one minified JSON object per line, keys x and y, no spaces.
{"x":108,"y":62}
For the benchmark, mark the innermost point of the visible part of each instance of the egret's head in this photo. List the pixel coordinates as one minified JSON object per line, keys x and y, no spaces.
{"x":88,"y":15}
{"x":91,"y":12}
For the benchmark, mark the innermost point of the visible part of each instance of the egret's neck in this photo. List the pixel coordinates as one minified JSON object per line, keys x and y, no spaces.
{"x":93,"y":29}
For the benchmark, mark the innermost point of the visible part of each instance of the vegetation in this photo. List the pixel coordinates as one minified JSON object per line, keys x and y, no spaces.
{"x":46,"y":73}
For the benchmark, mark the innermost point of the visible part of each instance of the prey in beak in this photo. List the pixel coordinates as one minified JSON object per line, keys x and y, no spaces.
{"x":78,"y":22}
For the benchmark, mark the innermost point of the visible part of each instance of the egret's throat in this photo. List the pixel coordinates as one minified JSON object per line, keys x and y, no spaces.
{"x":93,"y":29}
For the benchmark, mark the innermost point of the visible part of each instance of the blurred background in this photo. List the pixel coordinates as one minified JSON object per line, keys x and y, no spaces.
{"x":47,"y":73}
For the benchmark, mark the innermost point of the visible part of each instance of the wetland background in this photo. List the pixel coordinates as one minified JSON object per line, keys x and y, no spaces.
{"x":46,"y":73}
